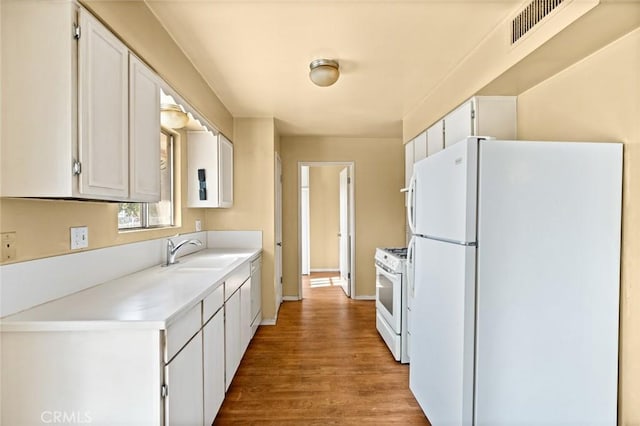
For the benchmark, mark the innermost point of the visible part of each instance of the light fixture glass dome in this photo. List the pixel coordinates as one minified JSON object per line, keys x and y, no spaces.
{"x":172,"y":116}
{"x":324,"y":72}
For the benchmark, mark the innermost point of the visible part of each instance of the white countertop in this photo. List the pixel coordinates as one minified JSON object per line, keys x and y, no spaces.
{"x":151,"y":298}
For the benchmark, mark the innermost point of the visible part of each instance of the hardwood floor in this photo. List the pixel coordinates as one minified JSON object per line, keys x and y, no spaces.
{"x":323,"y":363}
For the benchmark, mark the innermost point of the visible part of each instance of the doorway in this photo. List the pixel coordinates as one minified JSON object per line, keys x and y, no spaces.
{"x":326,"y":230}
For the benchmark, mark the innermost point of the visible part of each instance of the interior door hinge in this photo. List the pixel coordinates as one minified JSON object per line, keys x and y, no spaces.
{"x":348,"y":180}
{"x":280,"y":280}
{"x":164,"y":391}
{"x":76,"y":168}
{"x":76,"y":31}
{"x":348,"y":275}
{"x":473,"y":114}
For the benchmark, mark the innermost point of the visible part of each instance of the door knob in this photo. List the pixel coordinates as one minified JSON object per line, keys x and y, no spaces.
{"x":279,"y":244}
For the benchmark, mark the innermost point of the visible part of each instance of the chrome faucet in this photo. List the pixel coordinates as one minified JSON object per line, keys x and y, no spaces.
{"x":172,"y":249}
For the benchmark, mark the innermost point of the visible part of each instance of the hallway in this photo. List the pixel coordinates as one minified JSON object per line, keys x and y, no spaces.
{"x":323,"y":363}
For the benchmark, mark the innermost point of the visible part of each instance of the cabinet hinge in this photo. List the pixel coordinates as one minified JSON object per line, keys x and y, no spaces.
{"x":76,"y":168}
{"x":76,"y":31}
{"x":164,"y":391}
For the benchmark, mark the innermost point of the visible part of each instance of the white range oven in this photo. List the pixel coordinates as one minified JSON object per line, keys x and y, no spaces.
{"x":391,"y":300}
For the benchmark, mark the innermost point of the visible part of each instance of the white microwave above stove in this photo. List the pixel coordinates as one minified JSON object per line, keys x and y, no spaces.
{"x":391,"y":300}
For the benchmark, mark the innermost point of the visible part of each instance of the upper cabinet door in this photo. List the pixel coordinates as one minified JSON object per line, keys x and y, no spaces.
{"x":144,"y":132}
{"x":458,"y":124}
{"x":226,"y":172}
{"x":420,"y":147}
{"x":103,"y":112}
{"x":435,"y":138}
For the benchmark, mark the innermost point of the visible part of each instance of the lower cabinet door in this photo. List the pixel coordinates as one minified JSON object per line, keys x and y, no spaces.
{"x":232,"y":336}
{"x":213,"y":364}
{"x":245,"y":314}
{"x":184,"y":380}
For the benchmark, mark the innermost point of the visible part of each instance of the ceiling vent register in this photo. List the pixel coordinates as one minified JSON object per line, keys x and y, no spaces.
{"x":533,"y":13}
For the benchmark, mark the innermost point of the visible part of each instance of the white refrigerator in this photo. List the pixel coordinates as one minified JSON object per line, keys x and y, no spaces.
{"x":516,"y":257}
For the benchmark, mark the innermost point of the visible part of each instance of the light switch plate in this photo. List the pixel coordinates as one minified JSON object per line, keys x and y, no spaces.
{"x":198,"y":225}
{"x":79,"y":237}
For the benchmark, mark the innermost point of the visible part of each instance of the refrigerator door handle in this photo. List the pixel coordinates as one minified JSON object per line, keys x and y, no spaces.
{"x":411,"y":204}
{"x":410,"y":277}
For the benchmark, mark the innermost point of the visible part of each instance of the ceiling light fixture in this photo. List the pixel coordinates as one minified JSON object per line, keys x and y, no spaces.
{"x":324,"y":72}
{"x":172,"y":116}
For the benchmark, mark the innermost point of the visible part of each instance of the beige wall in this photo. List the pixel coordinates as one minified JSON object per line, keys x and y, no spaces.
{"x":253,"y":193}
{"x":599,"y":99}
{"x":379,"y":205}
{"x":324,"y":217}
{"x":42,"y":226}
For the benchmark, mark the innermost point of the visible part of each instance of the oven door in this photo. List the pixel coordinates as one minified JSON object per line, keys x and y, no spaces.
{"x":389,"y":296}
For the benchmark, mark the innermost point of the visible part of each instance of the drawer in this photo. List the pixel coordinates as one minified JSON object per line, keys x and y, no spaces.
{"x":235,"y":280}
{"x":182,"y":329}
{"x":212,"y":303}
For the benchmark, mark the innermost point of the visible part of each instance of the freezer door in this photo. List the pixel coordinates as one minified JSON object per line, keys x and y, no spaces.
{"x":548,"y":283}
{"x":442,"y":333}
{"x":445,"y":193}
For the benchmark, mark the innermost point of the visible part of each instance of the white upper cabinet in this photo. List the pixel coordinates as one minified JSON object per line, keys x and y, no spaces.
{"x":226,"y":171}
{"x":144,"y":132}
{"x":420,"y":147}
{"x":74,"y":125}
{"x":103,"y":110}
{"x":435,"y":138}
{"x":209,"y":170}
{"x":482,"y":116}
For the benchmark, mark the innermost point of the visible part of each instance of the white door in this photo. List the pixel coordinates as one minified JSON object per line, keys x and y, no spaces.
{"x":278,"y":236}
{"x":445,"y":193}
{"x":435,"y":138}
{"x":345,"y":234}
{"x":304,"y":221}
{"x":225,"y":174}
{"x":104,"y":111}
{"x":213,"y":366}
{"x":442,"y":333}
{"x":184,"y":380}
{"x":459,"y":124}
{"x":232,"y":336}
{"x":144,"y":132}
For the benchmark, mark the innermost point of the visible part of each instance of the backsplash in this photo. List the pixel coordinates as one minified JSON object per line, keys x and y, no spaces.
{"x":27,"y":284}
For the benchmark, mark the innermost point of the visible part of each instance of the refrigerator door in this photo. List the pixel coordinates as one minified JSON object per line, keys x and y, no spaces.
{"x":548,"y":283}
{"x":444,"y":193}
{"x":442,"y":332}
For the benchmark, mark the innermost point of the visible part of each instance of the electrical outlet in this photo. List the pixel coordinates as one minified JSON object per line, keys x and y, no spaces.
{"x":198,"y":225}
{"x":8,"y":246}
{"x":79,"y":237}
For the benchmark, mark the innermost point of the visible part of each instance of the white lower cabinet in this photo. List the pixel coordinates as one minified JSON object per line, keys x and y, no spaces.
{"x":213,"y":366}
{"x":232,"y":339}
{"x":245,"y":315}
{"x":117,"y":374}
{"x":183,"y":375}
{"x":256,"y":294}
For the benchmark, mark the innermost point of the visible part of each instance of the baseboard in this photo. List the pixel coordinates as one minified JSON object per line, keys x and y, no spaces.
{"x":268,"y":321}
{"x":365,"y":297}
{"x":290,"y":298}
{"x":325,"y":270}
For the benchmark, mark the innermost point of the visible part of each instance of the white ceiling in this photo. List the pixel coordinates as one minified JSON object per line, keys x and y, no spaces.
{"x":255,"y":55}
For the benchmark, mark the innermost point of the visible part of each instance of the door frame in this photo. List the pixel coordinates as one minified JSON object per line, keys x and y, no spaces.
{"x":277,"y":246}
{"x":352,"y":221}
